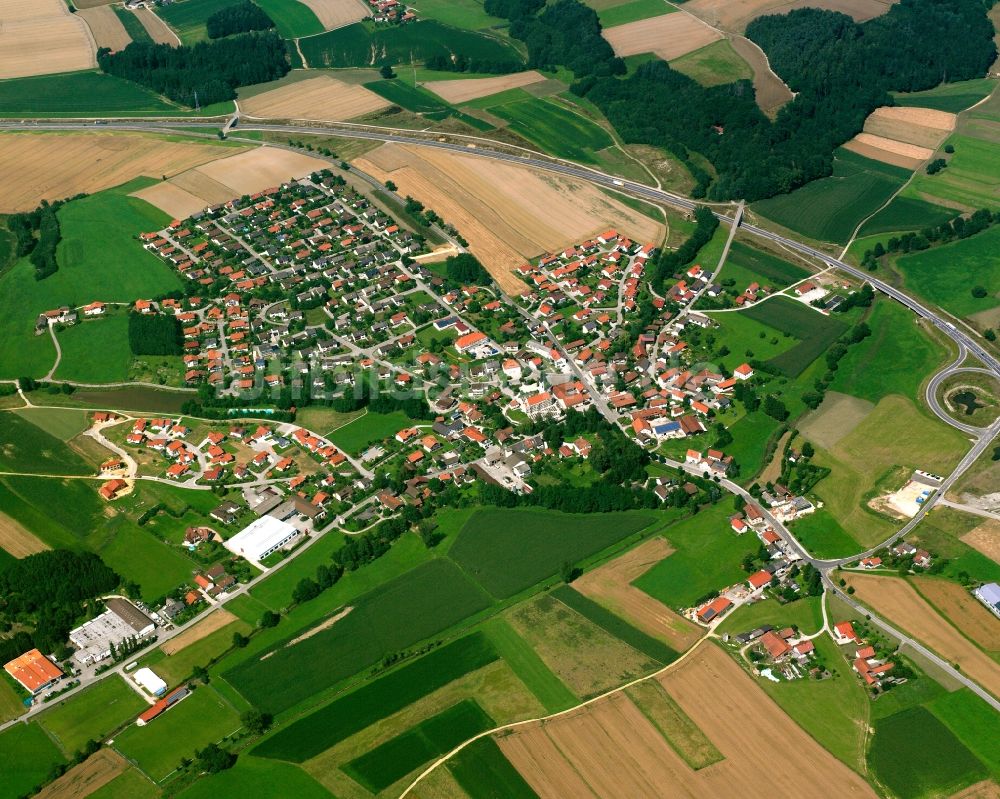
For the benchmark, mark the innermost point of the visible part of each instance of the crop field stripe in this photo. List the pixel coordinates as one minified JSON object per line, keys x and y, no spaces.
{"x":133,"y":26}
{"x":615,"y":625}
{"x":529,"y":668}
{"x":391,"y":618}
{"x":898,"y":755}
{"x":405,"y":96}
{"x":484,"y":772}
{"x":292,"y":18}
{"x":378,"y":699}
{"x":815,"y":332}
{"x":380,"y":767}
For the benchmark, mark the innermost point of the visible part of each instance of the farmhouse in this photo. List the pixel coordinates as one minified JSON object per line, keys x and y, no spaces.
{"x":843,"y":633}
{"x":261,"y":538}
{"x":33,"y":671}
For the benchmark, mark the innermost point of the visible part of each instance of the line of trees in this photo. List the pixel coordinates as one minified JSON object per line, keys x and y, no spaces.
{"x":461,"y":63}
{"x":672,"y":261}
{"x":155,"y":334}
{"x":213,"y":70}
{"x":37,"y":234}
{"x":958,"y":228}
{"x":240,"y":18}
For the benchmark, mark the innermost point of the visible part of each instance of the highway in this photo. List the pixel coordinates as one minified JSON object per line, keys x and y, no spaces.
{"x":483,"y":148}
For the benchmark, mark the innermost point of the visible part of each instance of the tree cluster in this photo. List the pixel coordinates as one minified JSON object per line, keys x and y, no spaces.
{"x":211,"y":70}
{"x":155,"y":334}
{"x":240,"y":18}
{"x":672,"y":261}
{"x":960,"y":227}
{"x":839,"y":69}
{"x":461,"y":63}
{"x":37,"y":234}
{"x":465,"y":268}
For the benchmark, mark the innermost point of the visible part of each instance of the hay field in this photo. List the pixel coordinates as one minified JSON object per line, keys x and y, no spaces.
{"x":985,"y":538}
{"x":50,"y":166}
{"x":889,"y":151}
{"x":902,"y":605}
{"x":461,"y":91}
{"x":156,"y":27}
{"x":105,"y":26}
{"x":323,"y":99}
{"x":18,"y":541}
{"x":611,"y":585}
{"x":41,"y":37}
{"x":222,"y":180}
{"x":735,"y":15}
{"x":669,"y":36}
{"x":216,"y":620}
{"x":923,"y":127}
{"x":86,"y":778}
{"x":337,"y":13}
{"x":610,"y":749}
{"x":963,"y":610}
{"x":506,"y":212}
{"x":835,"y":418}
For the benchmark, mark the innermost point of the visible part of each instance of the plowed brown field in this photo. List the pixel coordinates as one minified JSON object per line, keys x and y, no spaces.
{"x":985,"y":538}
{"x":18,"y":541}
{"x":337,"y":13}
{"x":87,"y":777}
{"x":42,"y":37}
{"x":51,"y":166}
{"x":214,"y":621}
{"x":107,"y":29}
{"x":963,"y":609}
{"x":669,"y":36}
{"x":735,"y":15}
{"x":461,"y":91}
{"x":610,"y":749}
{"x":322,"y":99}
{"x":156,"y":27}
{"x":611,"y":586}
{"x":506,"y":212}
{"x":903,"y":606}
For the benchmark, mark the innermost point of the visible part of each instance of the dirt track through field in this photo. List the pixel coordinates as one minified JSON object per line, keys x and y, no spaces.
{"x":735,"y":15}
{"x":321,"y":99}
{"x":18,"y":541}
{"x":86,"y":778}
{"x":50,"y":166}
{"x":669,"y":36}
{"x":461,"y":91}
{"x":336,"y":13}
{"x":610,"y":585}
{"x":202,"y":629}
{"x":895,"y":599}
{"x":42,"y":37}
{"x":610,"y":749}
{"x":985,"y":538}
{"x":507,"y":213}
{"x":107,"y":29}
{"x":963,"y":609}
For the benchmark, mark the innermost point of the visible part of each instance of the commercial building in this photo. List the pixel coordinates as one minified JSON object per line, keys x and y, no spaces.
{"x":33,"y":670}
{"x":260,"y":538}
{"x":121,"y":622}
{"x":989,"y":595}
{"x":148,"y":679}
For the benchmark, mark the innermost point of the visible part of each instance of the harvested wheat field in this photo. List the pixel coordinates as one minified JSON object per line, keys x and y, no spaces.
{"x":319,"y":99}
{"x":985,"y":538}
{"x":156,"y":27}
{"x":987,"y":789}
{"x":18,"y":541}
{"x":337,"y":13}
{"x":669,"y":36}
{"x":610,"y":585}
{"x":226,"y":178}
{"x":41,"y":37}
{"x":610,"y":749}
{"x":461,"y":91}
{"x":889,"y":151}
{"x":735,"y":15}
{"x":105,"y":26}
{"x":215,"y":620}
{"x":507,"y":213}
{"x":962,"y":609}
{"x":770,"y":91}
{"x":903,"y":606}
{"x":923,"y":127}
{"x":50,"y":166}
{"x":86,"y":778}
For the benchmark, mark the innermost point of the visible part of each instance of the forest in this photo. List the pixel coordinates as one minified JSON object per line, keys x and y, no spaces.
{"x":240,"y":18}
{"x":154,"y":334}
{"x":207,"y":72}
{"x":840,"y":69}
{"x":465,"y":269}
{"x":46,"y":592}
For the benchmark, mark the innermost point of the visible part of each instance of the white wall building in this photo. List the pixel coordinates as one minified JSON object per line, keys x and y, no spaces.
{"x":148,"y":679}
{"x":260,"y":538}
